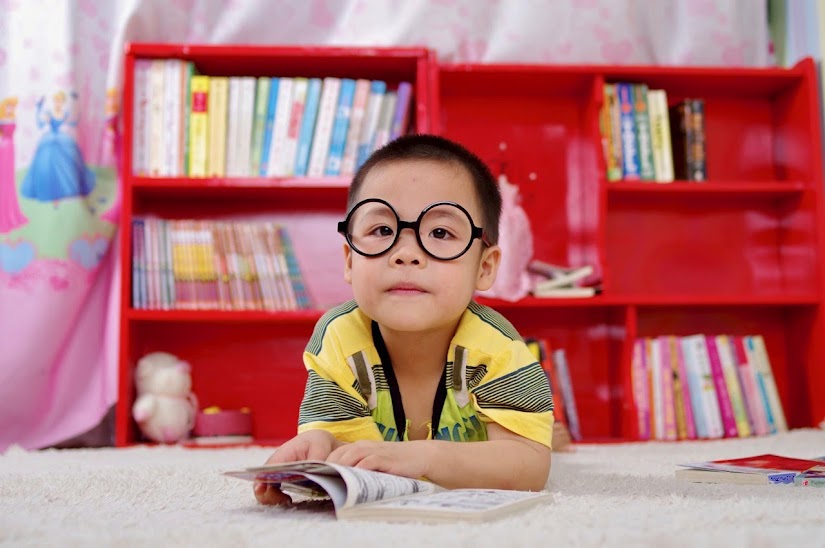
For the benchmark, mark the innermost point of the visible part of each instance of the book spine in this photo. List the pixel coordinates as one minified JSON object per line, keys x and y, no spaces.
{"x":612,"y":158}
{"x":710,"y":402}
{"x":172,"y":116}
{"x":729,"y":370}
{"x":219,"y":86}
{"x":259,"y":124}
{"x":638,"y":375}
{"x":668,"y":389}
{"x":271,"y":105}
{"x":697,"y":167}
{"x":307,"y":127}
{"x":339,"y":128}
{"x":630,"y":152}
{"x":198,"y":126}
{"x":382,"y":130}
{"x":694,"y":377}
{"x":156,"y":117}
{"x":323,"y":126}
{"x":359,"y":105}
{"x":301,"y":295}
{"x":296,"y":114}
{"x":685,"y":425}
{"x":765,"y":372}
{"x":138,"y":299}
{"x":365,"y":140}
{"x":141,"y":114}
{"x":561,"y":366}
{"x":400,"y":118}
{"x":747,"y":379}
{"x":663,"y":128}
{"x":247,"y":117}
{"x":169,"y":272}
{"x":681,"y":136}
{"x":233,"y":123}
{"x":728,"y":419}
{"x":641,"y":118}
{"x":283,"y":112}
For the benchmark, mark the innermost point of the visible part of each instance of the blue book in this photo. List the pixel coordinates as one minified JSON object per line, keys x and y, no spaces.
{"x":627,"y":122}
{"x":270,"y":121}
{"x":340,"y":126}
{"x":694,"y":378}
{"x":377,"y":90}
{"x":295,"y":277}
{"x":307,"y":127}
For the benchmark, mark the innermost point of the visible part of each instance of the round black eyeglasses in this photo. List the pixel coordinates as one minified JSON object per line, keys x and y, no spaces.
{"x":444,"y":230}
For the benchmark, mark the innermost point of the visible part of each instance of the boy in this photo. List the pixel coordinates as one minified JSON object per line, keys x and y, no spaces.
{"x":413,"y":358}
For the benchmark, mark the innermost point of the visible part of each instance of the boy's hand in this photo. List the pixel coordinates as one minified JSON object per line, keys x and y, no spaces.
{"x":410,"y":459}
{"x":312,"y":445}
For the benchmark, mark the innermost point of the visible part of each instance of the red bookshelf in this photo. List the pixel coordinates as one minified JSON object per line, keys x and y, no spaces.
{"x":739,"y":254}
{"x":247,"y":358}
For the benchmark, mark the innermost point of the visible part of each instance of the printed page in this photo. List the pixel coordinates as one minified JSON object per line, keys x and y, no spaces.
{"x":365,"y":486}
{"x":462,"y":500}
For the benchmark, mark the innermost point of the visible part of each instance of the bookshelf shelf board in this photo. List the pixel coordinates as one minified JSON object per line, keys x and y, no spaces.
{"x":543,"y":302}
{"x":232,"y":184}
{"x":291,"y":317}
{"x":773,"y":189}
{"x":721,"y":300}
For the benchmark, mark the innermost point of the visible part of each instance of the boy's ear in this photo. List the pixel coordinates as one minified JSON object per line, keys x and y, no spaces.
{"x":347,"y":263}
{"x":488,"y":267}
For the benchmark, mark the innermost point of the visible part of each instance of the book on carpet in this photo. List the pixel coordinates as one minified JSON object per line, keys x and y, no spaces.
{"x":812,"y":477}
{"x":755,"y":470}
{"x":368,"y":495}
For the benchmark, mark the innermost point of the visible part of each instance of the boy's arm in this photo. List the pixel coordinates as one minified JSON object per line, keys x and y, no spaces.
{"x":505,"y":461}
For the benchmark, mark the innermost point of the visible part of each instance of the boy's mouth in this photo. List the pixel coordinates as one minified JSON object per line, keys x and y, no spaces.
{"x":406,"y":289}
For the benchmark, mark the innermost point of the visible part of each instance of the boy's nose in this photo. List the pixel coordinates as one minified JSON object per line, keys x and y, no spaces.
{"x":406,"y":249}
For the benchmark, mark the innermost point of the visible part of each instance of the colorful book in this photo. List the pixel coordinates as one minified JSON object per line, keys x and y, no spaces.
{"x":271,"y":105}
{"x":365,"y":141}
{"x":259,"y":124}
{"x":401,"y":116}
{"x":323,"y":126}
{"x":198,"y":126}
{"x":718,"y":375}
{"x":758,"y":469}
{"x":307,"y":127}
{"x":731,"y":374}
{"x":639,"y":376}
{"x":566,"y":384}
{"x":697,"y":361}
{"x":339,"y":127}
{"x":630,"y":150}
{"x":755,"y":345}
{"x":359,"y":106}
{"x":283,"y":111}
{"x":218,"y":107}
{"x":685,"y":424}
{"x":611,"y":146}
{"x":750,"y":390}
{"x":641,"y":119}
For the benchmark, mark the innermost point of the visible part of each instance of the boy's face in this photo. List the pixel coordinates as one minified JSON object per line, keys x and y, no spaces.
{"x":405,"y":289}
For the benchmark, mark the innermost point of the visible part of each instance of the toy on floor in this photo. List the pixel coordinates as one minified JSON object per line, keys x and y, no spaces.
{"x":165,"y":407}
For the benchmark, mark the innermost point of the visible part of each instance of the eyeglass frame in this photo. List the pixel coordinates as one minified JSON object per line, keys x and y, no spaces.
{"x":475,"y":232}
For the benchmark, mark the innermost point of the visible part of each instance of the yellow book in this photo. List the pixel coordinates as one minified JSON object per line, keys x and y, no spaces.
{"x":679,"y":402}
{"x":217,"y":112}
{"x":198,"y":125}
{"x":730,"y":371}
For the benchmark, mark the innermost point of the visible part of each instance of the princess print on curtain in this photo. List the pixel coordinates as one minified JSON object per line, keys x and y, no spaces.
{"x":57,"y":170}
{"x":11,"y":217}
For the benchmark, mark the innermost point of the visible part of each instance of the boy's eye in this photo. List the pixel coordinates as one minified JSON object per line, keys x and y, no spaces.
{"x":440,"y":233}
{"x":382,"y":231}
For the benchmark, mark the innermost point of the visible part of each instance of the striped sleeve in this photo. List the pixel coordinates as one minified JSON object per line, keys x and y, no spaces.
{"x":332,"y":403}
{"x":515,"y":393}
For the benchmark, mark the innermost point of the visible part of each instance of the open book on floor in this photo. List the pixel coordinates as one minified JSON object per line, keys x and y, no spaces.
{"x":755,"y":470}
{"x":363,"y":494}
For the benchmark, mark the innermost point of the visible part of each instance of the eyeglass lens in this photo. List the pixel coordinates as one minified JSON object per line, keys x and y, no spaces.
{"x":444,"y":230}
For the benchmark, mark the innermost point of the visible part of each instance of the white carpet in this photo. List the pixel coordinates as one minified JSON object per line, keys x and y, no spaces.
{"x":623,"y":494}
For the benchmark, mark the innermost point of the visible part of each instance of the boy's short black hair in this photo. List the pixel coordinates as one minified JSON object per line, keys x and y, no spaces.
{"x":433,"y":147}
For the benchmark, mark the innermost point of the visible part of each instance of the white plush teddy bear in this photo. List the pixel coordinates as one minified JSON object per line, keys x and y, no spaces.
{"x":165,"y":408}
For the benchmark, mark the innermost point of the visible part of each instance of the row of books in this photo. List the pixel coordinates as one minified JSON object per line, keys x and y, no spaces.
{"x":704,"y":386}
{"x":645,"y":140}
{"x":554,"y":363}
{"x":218,"y":265}
{"x":195,"y":125}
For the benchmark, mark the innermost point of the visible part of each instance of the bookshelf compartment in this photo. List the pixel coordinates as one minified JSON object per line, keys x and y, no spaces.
{"x":592,"y":339}
{"x":757,"y":122}
{"x":230,"y":362}
{"x":538,"y":126}
{"x":787,"y":330}
{"x":748,"y":248}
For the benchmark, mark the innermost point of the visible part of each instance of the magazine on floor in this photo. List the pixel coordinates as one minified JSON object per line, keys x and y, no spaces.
{"x":368,"y":495}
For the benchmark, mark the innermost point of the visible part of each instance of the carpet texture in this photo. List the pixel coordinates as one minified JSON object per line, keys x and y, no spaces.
{"x":604,"y":495}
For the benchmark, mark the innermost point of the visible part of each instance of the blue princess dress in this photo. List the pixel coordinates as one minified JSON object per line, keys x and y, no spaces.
{"x":57,"y":169}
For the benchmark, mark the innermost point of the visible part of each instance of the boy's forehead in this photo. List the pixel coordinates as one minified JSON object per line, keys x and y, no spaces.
{"x":411,"y":185}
